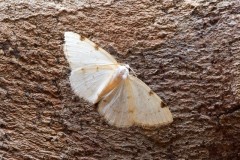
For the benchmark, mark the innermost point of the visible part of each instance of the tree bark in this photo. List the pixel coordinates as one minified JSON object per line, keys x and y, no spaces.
{"x":187,"y":51}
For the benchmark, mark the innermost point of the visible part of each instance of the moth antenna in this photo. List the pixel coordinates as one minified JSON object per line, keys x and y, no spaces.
{"x":128,"y":67}
{"x":133,"y":72}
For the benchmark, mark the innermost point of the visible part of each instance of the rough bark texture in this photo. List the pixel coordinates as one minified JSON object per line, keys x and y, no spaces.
{"x":186,"y":51}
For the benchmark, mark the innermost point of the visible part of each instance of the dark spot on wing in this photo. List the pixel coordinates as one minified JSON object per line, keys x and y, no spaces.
{"x":96,"y":47}
{"x":104,"y":100}
{"x":163,"y":105}
{"x":150,"y":92}
{"x":83,"y":70}
{"x":97,"y":68}
{"x":82,"y":38}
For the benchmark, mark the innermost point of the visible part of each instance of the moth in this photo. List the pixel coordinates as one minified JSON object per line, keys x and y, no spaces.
{"x":123,"y":99}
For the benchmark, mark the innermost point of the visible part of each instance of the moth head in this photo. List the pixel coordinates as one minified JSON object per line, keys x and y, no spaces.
{"x":123,"y":71}
{"x":127,"y":66}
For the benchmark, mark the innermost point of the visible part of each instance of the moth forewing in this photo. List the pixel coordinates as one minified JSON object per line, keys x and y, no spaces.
{"x":82,"y":52}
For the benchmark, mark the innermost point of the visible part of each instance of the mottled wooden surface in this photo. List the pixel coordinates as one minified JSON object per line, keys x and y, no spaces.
{"x":187,"y":51}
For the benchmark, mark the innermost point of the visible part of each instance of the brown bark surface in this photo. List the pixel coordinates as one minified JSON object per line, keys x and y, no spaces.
{"x":188,"y":52}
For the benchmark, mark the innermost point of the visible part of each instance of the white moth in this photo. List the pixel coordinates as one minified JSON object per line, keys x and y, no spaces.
{"x":123,"y":100}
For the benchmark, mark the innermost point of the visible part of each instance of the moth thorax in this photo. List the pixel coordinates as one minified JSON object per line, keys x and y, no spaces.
{"x":123,"y":72}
